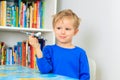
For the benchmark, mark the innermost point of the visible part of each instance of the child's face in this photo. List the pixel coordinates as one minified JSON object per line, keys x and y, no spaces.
{"x":64,"y":30}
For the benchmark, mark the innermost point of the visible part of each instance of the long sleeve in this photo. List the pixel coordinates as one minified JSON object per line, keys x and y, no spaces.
{"x":45,"y":63}
{"x":84,"y":68}
{"x":68,"y":62}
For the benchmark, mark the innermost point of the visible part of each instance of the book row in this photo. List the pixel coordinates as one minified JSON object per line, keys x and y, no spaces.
{"x":22,"y":13}
{"x":22,"y":53}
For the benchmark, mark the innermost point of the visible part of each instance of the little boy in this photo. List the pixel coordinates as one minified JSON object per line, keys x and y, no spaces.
{"x":63,"y":58}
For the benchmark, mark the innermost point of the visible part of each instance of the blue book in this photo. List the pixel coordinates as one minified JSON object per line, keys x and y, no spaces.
{"x":10,"y":55}
{"x":7,"y":56}
{"x":19,"y":52}
{"x":13,"y":20}
{"x":19,"y":7}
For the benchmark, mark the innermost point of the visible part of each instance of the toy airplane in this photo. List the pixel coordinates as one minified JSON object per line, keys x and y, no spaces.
{"x":37,"y":35}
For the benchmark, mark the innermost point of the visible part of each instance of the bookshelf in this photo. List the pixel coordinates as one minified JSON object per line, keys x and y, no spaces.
{"x":12,"y":34}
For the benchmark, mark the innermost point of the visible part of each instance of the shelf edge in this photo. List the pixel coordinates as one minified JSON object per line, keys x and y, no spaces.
{"x":15,"y":29}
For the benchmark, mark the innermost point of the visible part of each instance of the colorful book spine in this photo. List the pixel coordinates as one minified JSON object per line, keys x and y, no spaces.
{"x":28,"y":17}
{"x":43,"y":13}
{"x":31,"y":57}
{"x":28,"y":56}
{"x":0,"y":52}
{"x":42,"y":10}
{"x":3,"y":13}
{"x":15,"y":55}
{"x":3,"y":54}
{"x":13,"y":16}
{"x":0,"y":13}
{"x":24,"y":53}
{"x":22,"y":14}
{"x":9,"y":56}
{"x":34,"y":15}
{"x":19,"y":12}
{"x":31,"y":16}
{"x":17,"y":16}
{"x":37,"y":13}
{"x":25,"y":16}
{"x":8,"y":16}
{"x":19,"y":52}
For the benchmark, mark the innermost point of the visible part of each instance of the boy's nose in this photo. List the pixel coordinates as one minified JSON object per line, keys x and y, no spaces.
{"x":63,"y":31}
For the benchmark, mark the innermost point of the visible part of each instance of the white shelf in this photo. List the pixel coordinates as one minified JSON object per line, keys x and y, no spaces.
{"x":17,"y":29}
{"x":11,"y":35}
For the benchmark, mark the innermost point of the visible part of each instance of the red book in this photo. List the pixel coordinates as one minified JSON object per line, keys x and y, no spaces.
{"x":23,"y":53}
{"x":31,"y":57}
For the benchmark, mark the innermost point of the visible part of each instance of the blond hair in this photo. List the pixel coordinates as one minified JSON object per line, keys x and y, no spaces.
{"x":66,"y":13}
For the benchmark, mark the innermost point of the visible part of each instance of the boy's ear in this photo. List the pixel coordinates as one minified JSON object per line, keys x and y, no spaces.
{"x":76,"y":31}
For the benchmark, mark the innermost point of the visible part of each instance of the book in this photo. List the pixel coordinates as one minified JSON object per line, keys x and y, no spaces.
{"x":3,"y":51}
{"x":9,"y":57}
{"x":19,"y":52}
{"x":17,"y":16}
{"x":19,"y":12}
{"x":31,"y":16}
{"x":3,"y":13}
{"x":8,"y":16}
{"x":11,"y":13}
{"x":13,"y":16}
{"x":24,"y":53}
{"x":27,"y":52}
{"x":42,"y":13}
{"x":0,"y":52}
{"x":34,"y":24}
{"x":37,"y":14}
{"x":32,"y":57}
{"x":0,"y":13}
{"x":15,"y":55}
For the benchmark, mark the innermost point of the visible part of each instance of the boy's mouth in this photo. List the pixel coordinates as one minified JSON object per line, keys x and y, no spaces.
{"x":63,"y":37}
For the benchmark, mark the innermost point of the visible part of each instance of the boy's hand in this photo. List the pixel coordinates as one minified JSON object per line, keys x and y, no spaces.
{"x":34,"y":42}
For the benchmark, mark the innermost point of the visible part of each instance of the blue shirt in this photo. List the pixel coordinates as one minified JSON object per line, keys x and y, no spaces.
{"x":70,"y":62}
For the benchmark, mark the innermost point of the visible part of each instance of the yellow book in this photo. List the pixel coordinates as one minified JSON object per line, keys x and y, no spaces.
{"x":35,"y":16}
{"x":26,"y":53}
{"x":3,"y":10}
{"x":0,"y":13}
{"x":17,"y":18}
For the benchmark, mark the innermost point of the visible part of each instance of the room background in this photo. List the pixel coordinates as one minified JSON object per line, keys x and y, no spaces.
{"x":98,"y":33}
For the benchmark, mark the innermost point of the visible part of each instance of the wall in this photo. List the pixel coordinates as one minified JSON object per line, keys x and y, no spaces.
{"x":99,"y":33}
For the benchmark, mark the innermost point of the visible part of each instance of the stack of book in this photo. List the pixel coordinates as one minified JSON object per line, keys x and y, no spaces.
{"x":22,"y":53}
{"x":22,"y":13}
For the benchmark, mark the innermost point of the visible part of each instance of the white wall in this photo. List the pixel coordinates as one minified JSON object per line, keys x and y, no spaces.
{"x":99,"y":33}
